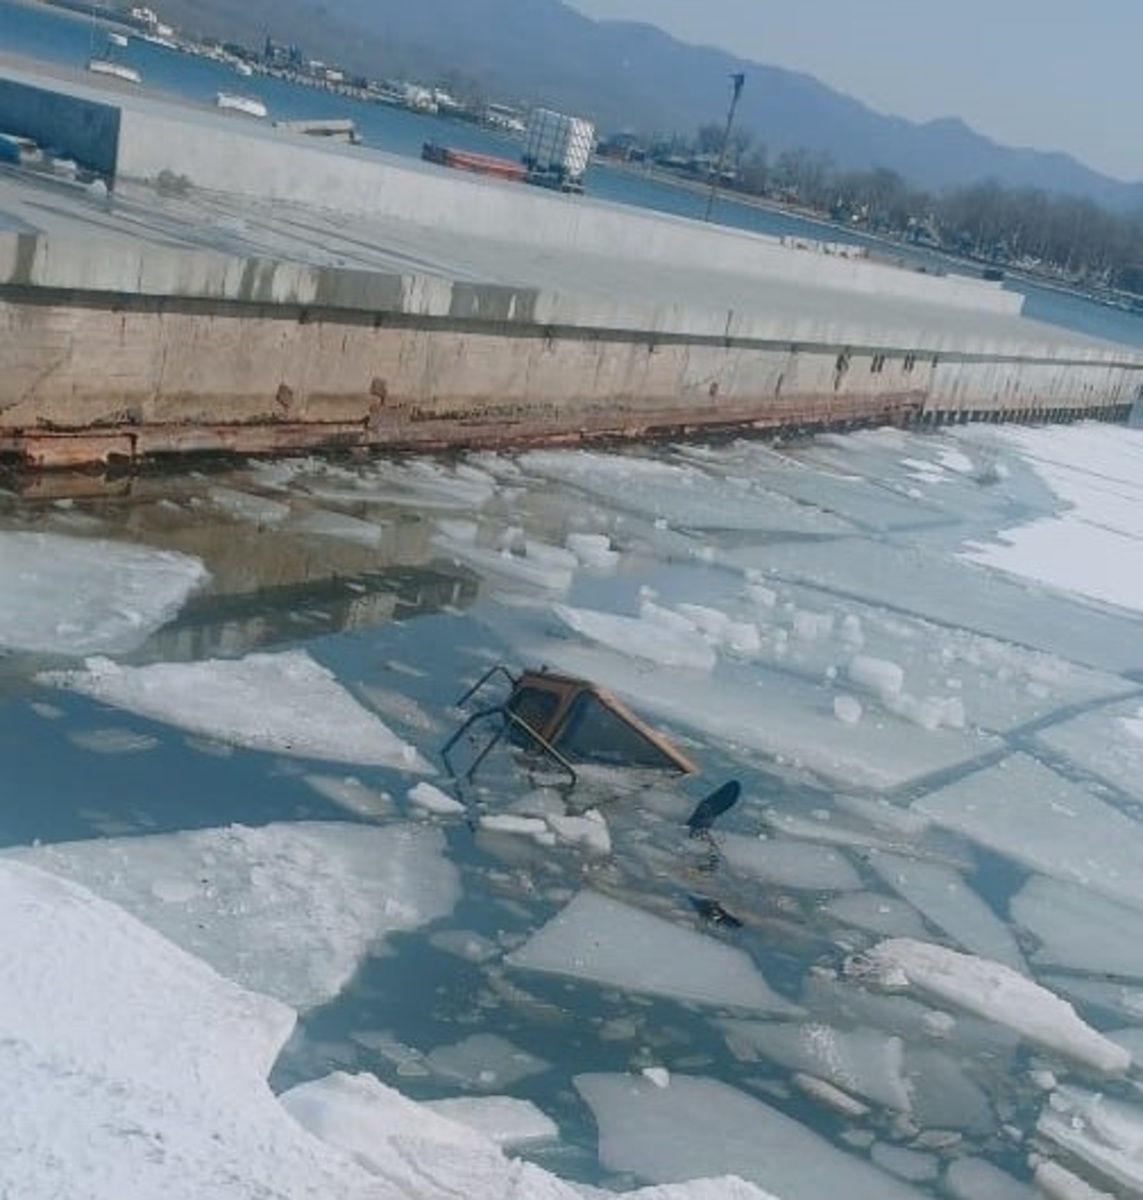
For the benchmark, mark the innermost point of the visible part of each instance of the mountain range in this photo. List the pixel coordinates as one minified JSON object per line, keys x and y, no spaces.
{"x":634,"y":77}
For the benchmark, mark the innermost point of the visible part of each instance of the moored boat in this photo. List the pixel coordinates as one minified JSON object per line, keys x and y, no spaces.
{"x":249,"y":105}
{"x":118,"y":70}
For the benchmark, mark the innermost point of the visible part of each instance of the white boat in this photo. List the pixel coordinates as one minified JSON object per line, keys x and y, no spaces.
{"x":242,"y":104}
{"x":108,"y":66}
{"x":117,"y":39}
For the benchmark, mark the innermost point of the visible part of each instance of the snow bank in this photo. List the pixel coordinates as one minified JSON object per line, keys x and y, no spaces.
{"x":70,"y":595}
{"x":996,"y":992}
{"x":603,"y":940}
{"x":289,"y":910}
{"x":285,"y":703}
{"x":139,"y":1072}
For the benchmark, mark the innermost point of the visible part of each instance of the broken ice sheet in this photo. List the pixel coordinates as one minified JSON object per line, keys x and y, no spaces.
{"x":505,"y":1120}
{"x":1107,"y":742}
{"x":1025,"y":811}
{"x":286,"y":703}
{"x":700,"y":1126}
{"x":76,"y":596}
{"x":289,"y":910}
{"x":862,"y":1062}
{"x":785,"y":862}
{"x":1079,"y":929}
{"x":484,"y":1061}
{"x":605,"y":941}
{"x":942,"y":895}
{"x":1100,"y":1131}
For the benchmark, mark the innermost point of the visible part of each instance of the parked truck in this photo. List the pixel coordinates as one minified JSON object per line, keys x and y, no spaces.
{"x":557,"y":149}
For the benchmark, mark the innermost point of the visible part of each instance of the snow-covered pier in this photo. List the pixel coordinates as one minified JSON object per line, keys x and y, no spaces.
{"x":239,"y":287}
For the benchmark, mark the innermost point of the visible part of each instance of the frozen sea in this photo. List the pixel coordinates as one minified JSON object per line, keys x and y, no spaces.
{"x":906,"y":964}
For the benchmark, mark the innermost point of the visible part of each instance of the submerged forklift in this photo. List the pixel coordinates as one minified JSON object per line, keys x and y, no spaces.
{"x":569,"y":723}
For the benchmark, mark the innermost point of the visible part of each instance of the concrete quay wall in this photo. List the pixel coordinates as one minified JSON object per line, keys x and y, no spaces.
{"x":134,"y":327}
{"x":232,"y":360}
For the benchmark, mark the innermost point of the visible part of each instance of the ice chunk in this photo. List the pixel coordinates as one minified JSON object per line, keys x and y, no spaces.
{"x":997,"y":992}
{"x":431,"y":799}
{"x":248,"y":506}
{"x":70,"y":595}
{"x":588,"y":830}
{"x":603,"y":940}
{"x":504,"y":1120}
{"x":1106,"y":742}
{"x":1079,"y":929}
{"x":943,"y":897}
{"x":593,"y":550}
{"x":1022,"y":809}
{"x":847,"y":709}
{"x":326,"y":523}
{"x":884,"y":915}
{"x":864,"y":1062}
{"x":641,"y":637}
{"x":880,"y":676}
{"x":140,"y":1072}
{"x":351,"y":794}
{"x":112,"y":741}
{"x":286,"y":703}
{"x":978,"y":1179}
{"x":700,"y":1125}
{"x":1059,"y":1183}
{"x":485,"y":1061}
{"x":289,"y":910}
{"x":913,"y":1165}
{"x":789,"y":863}
{"x":1104,"y":1133}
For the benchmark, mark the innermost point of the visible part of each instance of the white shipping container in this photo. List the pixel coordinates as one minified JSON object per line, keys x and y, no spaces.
{"x":559,"y":144}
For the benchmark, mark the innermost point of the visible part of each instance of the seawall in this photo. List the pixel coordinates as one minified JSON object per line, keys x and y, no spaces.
{"x":239,"y":287}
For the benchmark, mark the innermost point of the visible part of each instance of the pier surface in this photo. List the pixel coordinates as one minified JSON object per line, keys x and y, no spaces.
{"x":227,"y":285}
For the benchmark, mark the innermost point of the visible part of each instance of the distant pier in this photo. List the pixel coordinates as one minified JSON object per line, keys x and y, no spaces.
{"x":233,"y":286}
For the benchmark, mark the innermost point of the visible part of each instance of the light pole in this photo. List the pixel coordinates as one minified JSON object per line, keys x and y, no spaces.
{"x":738,"y":80}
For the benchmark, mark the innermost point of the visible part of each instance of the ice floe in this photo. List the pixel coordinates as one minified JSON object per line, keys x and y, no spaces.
{"x":484,"y":1061}
{"x":1104,"y":1133}
{"x":785,"y":862}
{"x":286,"y":703}
{"x":656,"y":641}
{"x":412,"y":1151}
{"x":994,"y":991}
{"x":605,"y":941}
{"x":79,"y":596}
{"x":701,"y":1126}
{"x":1108,"y":742}
{"x":1022,"y":809}
{"x":1090,"y":549}
{"x":1079,"y":929}
{"x":289,"y":910}
{"x":940,"y":893}
{"x":505,"y":1120}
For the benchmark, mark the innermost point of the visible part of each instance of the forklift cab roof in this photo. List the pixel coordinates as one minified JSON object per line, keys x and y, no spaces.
{"x":572,"y":721}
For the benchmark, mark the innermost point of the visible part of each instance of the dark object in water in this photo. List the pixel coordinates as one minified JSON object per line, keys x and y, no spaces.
{"x":566,"y":720}
{"x":713,"y":806}
{"x":712,"y":911}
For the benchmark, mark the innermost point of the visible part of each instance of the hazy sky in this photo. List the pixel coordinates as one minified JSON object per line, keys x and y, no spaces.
{"x":1049,"y":74}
